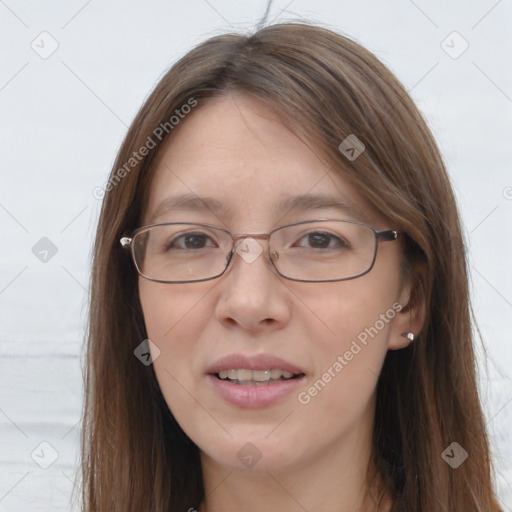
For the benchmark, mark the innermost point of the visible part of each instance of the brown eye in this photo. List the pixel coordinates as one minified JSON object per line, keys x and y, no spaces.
{"x":191,"y":241}
{"x":323,"y":240}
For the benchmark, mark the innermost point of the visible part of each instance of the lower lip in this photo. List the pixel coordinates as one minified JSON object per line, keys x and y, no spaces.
{"x":254,"y":396}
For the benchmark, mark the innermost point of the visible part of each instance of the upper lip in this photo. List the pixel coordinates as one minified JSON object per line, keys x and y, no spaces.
{"x":256,"y":362}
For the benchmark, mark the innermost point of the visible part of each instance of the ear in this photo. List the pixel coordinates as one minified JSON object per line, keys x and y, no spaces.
{"x":412,"y":314}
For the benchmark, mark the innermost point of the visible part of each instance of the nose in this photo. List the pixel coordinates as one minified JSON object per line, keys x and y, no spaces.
{"x":252,"y":294}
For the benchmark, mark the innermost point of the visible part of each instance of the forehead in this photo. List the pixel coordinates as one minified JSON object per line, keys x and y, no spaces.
{"x":234,"y":152}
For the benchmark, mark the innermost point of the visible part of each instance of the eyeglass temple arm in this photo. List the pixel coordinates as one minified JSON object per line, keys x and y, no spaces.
{"x":388,"y":235}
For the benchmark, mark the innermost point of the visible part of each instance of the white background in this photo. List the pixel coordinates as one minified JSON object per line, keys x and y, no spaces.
{"x":63,"y":118}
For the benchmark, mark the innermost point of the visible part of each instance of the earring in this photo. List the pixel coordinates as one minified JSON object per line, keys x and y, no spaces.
{"x":408,"y":335}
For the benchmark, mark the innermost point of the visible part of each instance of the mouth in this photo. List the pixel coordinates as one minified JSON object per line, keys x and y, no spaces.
{"x":255,"y":380}
{"x":246,"y":377}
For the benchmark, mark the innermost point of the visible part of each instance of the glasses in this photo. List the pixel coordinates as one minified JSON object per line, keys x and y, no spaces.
{"x":311,"y":251}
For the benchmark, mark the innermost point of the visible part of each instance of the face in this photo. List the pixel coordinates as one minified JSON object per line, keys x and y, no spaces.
{"x":334,"y":334}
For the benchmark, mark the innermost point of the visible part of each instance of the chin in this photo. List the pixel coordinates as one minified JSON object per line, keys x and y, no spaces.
{"x":256,"y":455}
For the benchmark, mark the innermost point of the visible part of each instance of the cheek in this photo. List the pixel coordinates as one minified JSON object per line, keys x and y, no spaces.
{"x":172,"y":316}
{"x":351,"y":309}
{"x":174,"y":323}
{"x":175,"y":317}
{"x":355,"y":319}
{"x":169,"y":309}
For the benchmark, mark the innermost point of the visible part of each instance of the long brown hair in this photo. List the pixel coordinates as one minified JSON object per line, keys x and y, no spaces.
{"x":326,"y":87}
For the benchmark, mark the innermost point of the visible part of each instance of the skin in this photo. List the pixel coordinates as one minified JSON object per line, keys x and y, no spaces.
{"x":313,"y":456}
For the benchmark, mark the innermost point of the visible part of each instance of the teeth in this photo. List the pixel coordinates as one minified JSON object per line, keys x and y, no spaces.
{"x":275,"y":374}
{"x":260,"y":377}
{"x":244,"y":375}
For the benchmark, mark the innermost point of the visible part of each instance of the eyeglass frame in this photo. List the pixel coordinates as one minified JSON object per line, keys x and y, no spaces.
{"x":387,"y":235}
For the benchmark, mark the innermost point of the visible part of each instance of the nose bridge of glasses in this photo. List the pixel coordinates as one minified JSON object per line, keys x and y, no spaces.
{"x":249,"y":252}
{"x":239,"y":238}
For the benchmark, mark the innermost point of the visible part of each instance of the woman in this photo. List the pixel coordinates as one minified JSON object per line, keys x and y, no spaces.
{"x":279,"y":315}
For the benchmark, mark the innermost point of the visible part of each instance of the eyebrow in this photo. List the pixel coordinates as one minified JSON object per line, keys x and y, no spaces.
{"x":293,"y":204}
{"x":320,"y":201}
{"x":188,"y":202}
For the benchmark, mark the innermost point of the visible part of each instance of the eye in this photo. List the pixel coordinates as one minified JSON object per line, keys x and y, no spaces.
{"x":324,"y":240}
{"x":190,"y":240}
